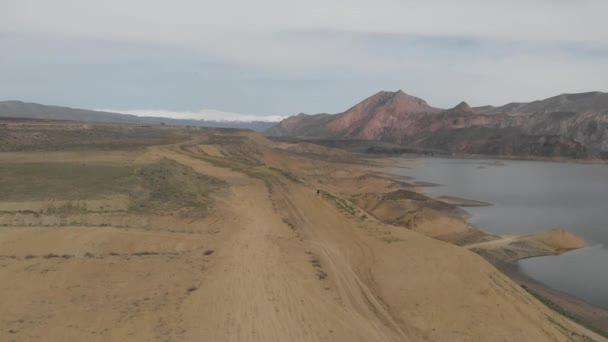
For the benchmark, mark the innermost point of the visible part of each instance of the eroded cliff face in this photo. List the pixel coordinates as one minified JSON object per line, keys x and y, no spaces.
{"x":590,"y":129}
{"x":569,"y":125}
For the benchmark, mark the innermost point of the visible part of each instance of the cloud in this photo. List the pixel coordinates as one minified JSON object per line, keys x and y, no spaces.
{"x":203,"y":114}
{"x":215,"y":24}
{"x":277,"y":57}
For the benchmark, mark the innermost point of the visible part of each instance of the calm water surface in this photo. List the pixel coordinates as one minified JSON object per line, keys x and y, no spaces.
{"x":530,"y":197}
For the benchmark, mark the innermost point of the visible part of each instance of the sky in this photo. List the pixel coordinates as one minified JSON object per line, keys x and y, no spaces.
{"x":268,"y":59}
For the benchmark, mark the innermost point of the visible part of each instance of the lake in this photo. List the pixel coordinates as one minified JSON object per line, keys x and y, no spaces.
{"x":530,"y":197}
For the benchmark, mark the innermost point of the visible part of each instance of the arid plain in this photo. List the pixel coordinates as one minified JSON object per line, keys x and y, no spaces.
{"x":130,"y":232}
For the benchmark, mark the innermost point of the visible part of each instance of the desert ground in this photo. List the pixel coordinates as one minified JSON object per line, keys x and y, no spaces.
{"x":140,"y":233}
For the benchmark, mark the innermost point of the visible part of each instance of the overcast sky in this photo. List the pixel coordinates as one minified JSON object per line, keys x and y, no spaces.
{"x":273,"y":58}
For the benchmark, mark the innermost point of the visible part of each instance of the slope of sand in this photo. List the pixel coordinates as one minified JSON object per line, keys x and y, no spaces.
{"x":272,"y":261}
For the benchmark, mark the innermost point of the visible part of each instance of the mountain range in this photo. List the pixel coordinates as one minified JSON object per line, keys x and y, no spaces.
{"x":568,"y":125}
{"x":23,"y":110}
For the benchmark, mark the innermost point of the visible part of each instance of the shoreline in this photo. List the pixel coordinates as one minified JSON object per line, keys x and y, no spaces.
{"x":593,"y":317}
{"x":499,"y":157}
{"x":421,"y":153}
{"x":590,"y":316}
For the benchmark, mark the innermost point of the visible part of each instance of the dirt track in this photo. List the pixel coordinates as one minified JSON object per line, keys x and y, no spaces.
{"x":266,"y":270}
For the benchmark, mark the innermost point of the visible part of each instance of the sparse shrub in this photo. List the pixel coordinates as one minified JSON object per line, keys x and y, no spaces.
{"x":144,"y":253}
{"x":289,"y":224}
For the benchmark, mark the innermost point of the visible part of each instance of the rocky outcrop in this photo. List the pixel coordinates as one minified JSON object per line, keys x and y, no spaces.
{"x":463,"y":107}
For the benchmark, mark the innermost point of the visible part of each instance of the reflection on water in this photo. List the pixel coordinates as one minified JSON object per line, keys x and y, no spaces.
{"x":530,"y":197}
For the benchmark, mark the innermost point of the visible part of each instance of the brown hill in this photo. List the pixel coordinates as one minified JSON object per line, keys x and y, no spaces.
{"x":582,"y":102}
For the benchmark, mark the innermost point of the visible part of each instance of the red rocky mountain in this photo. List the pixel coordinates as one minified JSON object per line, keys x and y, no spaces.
{"x":568,"y":125}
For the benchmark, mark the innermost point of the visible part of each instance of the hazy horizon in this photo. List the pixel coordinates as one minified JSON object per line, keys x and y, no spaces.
{"x":218,"y":115}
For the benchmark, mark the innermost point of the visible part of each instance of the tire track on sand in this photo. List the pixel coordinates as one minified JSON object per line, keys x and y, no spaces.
{"x":261,"y":287}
